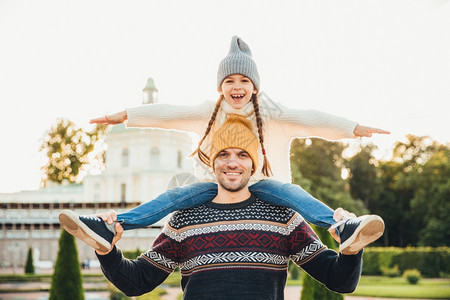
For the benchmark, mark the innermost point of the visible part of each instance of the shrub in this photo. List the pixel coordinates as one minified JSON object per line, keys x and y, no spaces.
{"x":431,"y":262}
{"x":131,"y":254}
{"x":294,"y":270}
{"x":391,"y":272}
{"x":412,"y":276}
{"x":66,"y":279}
{"x":115,"y":294}
{"x":295,"y":273}
{"x":29,"y":266}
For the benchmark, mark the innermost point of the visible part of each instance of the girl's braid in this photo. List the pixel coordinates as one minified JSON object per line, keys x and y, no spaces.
{"x":204,"y":158}
{"x":266,"y":170}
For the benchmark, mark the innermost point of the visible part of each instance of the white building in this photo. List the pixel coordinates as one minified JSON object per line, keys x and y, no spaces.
{"x":140,"y":163}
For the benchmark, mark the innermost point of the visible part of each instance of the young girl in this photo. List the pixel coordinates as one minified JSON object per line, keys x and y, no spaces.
{"x":238,"y":84}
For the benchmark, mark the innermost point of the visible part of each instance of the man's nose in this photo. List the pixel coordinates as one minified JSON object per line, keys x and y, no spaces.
{"x":232,"y":162}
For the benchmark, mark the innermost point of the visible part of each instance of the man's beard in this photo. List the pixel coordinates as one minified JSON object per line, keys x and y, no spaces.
{"x":236,"y":189}
{"x":230,"y":186}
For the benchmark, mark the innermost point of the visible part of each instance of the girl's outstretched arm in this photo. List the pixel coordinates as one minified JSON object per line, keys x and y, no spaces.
{"x":361,"y":131}
{"x":112,"y":119}
{"x":191,"y":118}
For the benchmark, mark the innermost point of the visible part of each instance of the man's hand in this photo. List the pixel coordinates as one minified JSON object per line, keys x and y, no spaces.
{"x":339,"y":215}
{"x":364,"y":131}
{"x":113,"y":119}
{"x":110,"y":217}
{"x":117,"y":237}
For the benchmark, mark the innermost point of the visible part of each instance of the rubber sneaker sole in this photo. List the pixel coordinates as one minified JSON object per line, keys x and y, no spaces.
{"x":72,"y":224}
{"x":370,"y":229}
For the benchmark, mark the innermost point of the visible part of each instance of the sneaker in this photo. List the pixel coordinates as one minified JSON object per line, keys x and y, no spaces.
{"x":360,"y":232}
{"x":91,"y":230}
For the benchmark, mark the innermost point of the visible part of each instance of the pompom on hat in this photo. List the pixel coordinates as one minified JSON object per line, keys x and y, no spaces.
{"x":238,"y":61}
{"x":236,"y":132}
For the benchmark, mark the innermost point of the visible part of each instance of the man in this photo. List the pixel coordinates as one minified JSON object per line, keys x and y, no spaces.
{"x":236,"y":246}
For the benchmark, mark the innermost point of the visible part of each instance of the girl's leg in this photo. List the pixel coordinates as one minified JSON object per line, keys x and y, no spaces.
{"x":179,"y":198}
{"x":293,"y":196}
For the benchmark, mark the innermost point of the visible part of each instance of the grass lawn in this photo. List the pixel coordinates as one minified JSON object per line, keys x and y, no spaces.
{"x":386,"y":287}
{"x":379,"y":286}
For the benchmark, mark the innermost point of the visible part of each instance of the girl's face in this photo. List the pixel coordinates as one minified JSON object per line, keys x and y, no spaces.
{"x":237,"y":90}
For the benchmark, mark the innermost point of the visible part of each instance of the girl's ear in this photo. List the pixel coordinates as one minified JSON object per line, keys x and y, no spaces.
{"x":220,"y":92}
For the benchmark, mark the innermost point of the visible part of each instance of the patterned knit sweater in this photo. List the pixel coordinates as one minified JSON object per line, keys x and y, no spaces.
{"x":233,"y":251}
{"x":281,"y":125}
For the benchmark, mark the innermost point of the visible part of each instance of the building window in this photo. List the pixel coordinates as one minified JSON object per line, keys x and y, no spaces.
{"x":97,"y":186}
{"x":180,"y":159}
{"x":123,"y":192}
{"x":125,"y":157}
{"x":154,"y":162}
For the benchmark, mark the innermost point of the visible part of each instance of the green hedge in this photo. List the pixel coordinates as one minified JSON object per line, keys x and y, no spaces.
{"x":132,"y":254}
{"x":431,"y":262}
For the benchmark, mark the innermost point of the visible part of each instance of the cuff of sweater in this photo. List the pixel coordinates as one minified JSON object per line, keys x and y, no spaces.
{"x":351,"y":129}
{"x":351,"y":260}
{"x":111,"y":260}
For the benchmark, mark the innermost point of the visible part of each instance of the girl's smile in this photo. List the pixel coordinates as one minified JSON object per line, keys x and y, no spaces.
{"x":237,"y":90}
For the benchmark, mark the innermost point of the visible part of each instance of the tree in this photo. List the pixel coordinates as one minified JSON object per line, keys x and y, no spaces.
{"x":363,"y":178}
{"x":414,"y":198}
{"x":29,"y":266}
{"x":67,"y":148}
{"x":312,"y":289}
{"x":66,"y":280}
{"x":431,"y":202}
{"x":316,"y":165}
{"x":416,"y":150}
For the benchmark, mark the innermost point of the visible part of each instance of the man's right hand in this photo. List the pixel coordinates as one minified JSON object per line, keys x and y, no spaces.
{"x":110,"y":217}
{"x":113,"y":119}
{"x":117,"y":237}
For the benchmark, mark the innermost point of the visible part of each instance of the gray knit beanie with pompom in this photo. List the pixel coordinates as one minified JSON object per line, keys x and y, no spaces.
{"x":238,"y":61}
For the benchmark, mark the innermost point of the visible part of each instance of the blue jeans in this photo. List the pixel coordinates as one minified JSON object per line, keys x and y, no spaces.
{"x":271,"y":191}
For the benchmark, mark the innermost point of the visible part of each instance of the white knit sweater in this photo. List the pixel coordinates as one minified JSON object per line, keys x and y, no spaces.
{"x":281,"y":125}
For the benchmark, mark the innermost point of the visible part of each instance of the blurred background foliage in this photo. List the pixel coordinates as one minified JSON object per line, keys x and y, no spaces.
{"x":410,"y":191}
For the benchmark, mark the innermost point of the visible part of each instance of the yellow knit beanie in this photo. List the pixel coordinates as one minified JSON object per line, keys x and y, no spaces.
{"x":236,"y":132}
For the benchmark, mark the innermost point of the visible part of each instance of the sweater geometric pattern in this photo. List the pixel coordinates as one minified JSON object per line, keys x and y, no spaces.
{"x":251,"y":235}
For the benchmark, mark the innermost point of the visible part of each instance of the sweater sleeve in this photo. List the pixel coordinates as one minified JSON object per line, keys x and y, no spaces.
{"x":296,"y":123}
{"x":191,"y":118}
{"x":339,"y":273}
{"x":132,"y":277}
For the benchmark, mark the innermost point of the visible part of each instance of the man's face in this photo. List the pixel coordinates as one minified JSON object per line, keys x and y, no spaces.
{"x":233,"y":168}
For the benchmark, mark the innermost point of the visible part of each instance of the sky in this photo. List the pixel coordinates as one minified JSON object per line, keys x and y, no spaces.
{"x":382,"y":63}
